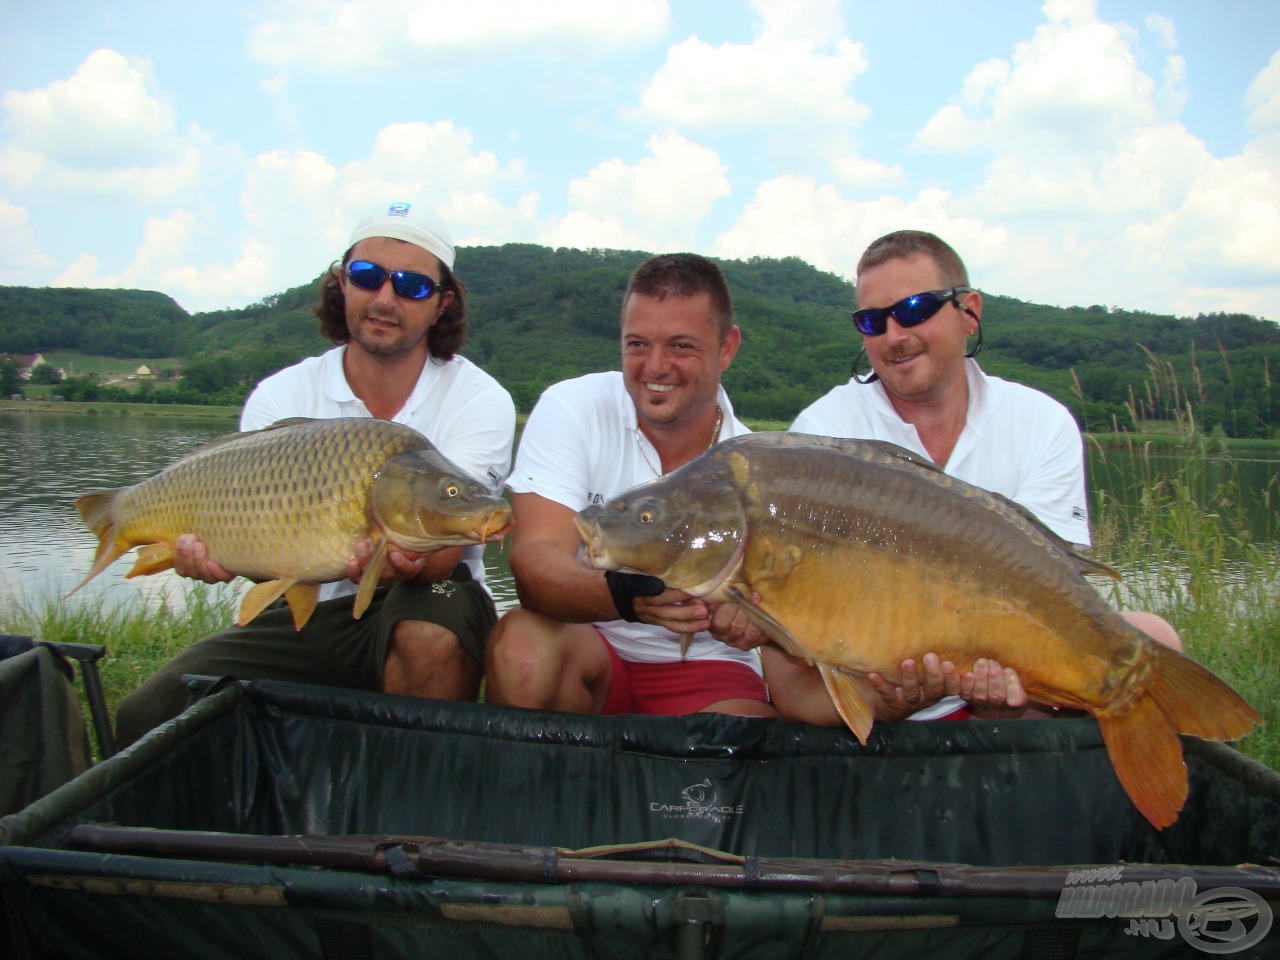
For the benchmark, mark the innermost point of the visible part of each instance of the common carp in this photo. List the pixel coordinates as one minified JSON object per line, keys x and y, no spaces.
{"x":285,"y":505}
{"x":864,"y":554}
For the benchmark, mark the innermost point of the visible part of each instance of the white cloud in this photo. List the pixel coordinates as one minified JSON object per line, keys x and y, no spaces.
{"x":795,"y":216}
{"x":103,"y":116}
{"x":657,"y":203}
{"x":103,"y":132}
{"x":160,"y":263}
{"x":858,"y":172}
{"x":1263,"y":97}
{"x":20,"y":256}
{"x":385,"y":34}
{"x":798,"y":71}
{"x":1074,"y":86}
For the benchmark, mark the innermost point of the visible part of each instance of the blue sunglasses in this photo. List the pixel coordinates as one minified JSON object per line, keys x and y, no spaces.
{"x":908,"y":311}
{"x":411,"y":286}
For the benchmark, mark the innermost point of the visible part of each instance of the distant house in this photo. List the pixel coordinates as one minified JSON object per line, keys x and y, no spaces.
{"x":145,"y":372}
{"x":27,"y":362}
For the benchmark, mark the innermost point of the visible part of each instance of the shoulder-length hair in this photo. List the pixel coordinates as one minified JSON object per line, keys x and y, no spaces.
{"x":444,"y":339}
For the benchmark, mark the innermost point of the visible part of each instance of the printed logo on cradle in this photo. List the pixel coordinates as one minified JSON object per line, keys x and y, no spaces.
{"x":698,"y":802}
{"x":1221,"y":920}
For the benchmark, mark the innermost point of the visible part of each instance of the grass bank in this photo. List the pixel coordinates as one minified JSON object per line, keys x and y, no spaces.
{"x":111,"y":409}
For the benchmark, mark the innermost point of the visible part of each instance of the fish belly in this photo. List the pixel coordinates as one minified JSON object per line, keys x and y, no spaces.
{"x":865,"y":610}
{"x":285,"y":511}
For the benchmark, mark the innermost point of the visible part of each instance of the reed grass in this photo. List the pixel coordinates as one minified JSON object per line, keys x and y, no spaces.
{"x":1188,"y":548}
{"x":138,"y":638}
{"x":1181,"y":540}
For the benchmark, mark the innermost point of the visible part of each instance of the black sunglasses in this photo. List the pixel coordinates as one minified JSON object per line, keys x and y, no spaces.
{"x":908,"y":311}
{"x":411,"y":286}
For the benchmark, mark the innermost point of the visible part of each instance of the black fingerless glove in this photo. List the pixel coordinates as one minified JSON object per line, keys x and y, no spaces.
{"x":625,"y":587}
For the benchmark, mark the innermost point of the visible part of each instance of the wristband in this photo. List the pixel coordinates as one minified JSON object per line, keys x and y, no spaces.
{"x":625,"y":587}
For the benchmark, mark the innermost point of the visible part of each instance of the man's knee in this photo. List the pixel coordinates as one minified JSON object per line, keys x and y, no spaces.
{"x":427,"y":660}
{"x":532,"y":660}
{"x":1156,"y":627}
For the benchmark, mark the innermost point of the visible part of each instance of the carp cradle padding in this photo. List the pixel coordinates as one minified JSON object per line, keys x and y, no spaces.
{"x":458,"y":829}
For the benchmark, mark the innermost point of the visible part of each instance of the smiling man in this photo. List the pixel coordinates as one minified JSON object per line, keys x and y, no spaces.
{"x":917,"y":314}
{"x":397,"y":313}
{"x":595,"y":643}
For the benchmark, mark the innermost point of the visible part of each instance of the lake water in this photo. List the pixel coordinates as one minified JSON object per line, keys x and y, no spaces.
{"x":48,"y":460}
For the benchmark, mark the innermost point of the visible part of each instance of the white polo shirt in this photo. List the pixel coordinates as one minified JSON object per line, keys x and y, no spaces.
{"x":466,"y":413}
{"x":581,"y":446}
{"x":1016,"y":441}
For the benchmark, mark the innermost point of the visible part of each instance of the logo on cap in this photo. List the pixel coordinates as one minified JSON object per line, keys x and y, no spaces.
{"x":398,"y":210}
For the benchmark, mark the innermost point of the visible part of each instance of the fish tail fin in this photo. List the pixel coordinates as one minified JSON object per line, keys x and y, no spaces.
{"x":152,"y":558}
{"x":1197,"y":701}
{"x":1142,"y":737}
{"x":95,"y":511}
{"x":1147,"y":756}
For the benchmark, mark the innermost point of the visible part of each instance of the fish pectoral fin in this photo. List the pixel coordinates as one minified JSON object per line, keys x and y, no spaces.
{"x":372,"y":575}
{"x":770,"y":627}
{"x":302,"y":599}
{"x":260,"y":597}
{"x":849,"y":701}
{"x":152,"y":558}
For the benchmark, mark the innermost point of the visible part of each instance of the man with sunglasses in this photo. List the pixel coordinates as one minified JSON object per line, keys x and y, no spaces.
{"x":588,"y":642}
{"x":397,"y":313}
{"x":917,"y":314}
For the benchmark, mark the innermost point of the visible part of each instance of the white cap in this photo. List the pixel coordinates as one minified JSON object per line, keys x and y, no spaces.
{"x":411,"y":222}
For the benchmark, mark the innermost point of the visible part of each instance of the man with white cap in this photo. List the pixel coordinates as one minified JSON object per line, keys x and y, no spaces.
{"x":398,"y":315}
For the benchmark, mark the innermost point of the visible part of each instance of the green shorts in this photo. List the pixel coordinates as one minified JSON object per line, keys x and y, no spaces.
{"x":334,"y":649}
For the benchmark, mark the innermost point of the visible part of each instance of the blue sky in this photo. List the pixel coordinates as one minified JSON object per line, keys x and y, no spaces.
{"x":1123,"y":152}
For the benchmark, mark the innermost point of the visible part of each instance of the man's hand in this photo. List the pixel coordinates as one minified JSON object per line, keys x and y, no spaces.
{"x":673,"y":609}
{"x":730,"y":625}
{"x":400,"y":565}
{"x":993,"y":692}
{"x":191,"y":559}
{"x":920,"y":687}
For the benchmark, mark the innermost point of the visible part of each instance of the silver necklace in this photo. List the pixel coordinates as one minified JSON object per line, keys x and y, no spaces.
{"x":715,"y":435}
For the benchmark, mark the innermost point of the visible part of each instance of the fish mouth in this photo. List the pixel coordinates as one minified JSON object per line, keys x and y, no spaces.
{"x":497,"y":526}
{"x":593,"y":552}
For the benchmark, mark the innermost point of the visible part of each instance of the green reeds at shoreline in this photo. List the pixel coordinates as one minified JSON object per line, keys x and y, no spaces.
{"x":1182,"y":537}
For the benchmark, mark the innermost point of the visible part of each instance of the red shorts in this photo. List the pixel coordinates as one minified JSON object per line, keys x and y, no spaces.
{"x":674,"y":689}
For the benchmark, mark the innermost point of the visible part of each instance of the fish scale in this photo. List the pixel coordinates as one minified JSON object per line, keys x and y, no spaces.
{"x":863,"y":555}
{"x":287,"y":504}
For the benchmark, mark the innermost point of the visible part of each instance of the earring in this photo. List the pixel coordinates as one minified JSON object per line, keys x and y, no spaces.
{"x":977,"y":347}
{"x":872,"y":377}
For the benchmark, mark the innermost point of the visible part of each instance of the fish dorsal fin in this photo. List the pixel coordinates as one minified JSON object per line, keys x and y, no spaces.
{"x":372,"y":575}
{"x":227,"y":438}
{"x":1082,"y":563}
{"x":902,"y":453}
{"x":848,"y":700}
{"x":260,"y":597}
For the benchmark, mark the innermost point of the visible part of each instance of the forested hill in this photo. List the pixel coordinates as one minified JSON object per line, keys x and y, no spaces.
{"x":539,"y":315}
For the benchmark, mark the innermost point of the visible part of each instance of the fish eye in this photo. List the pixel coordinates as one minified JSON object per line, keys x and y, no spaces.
{"x":451,"y":490}
{"x":647,"y":513}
